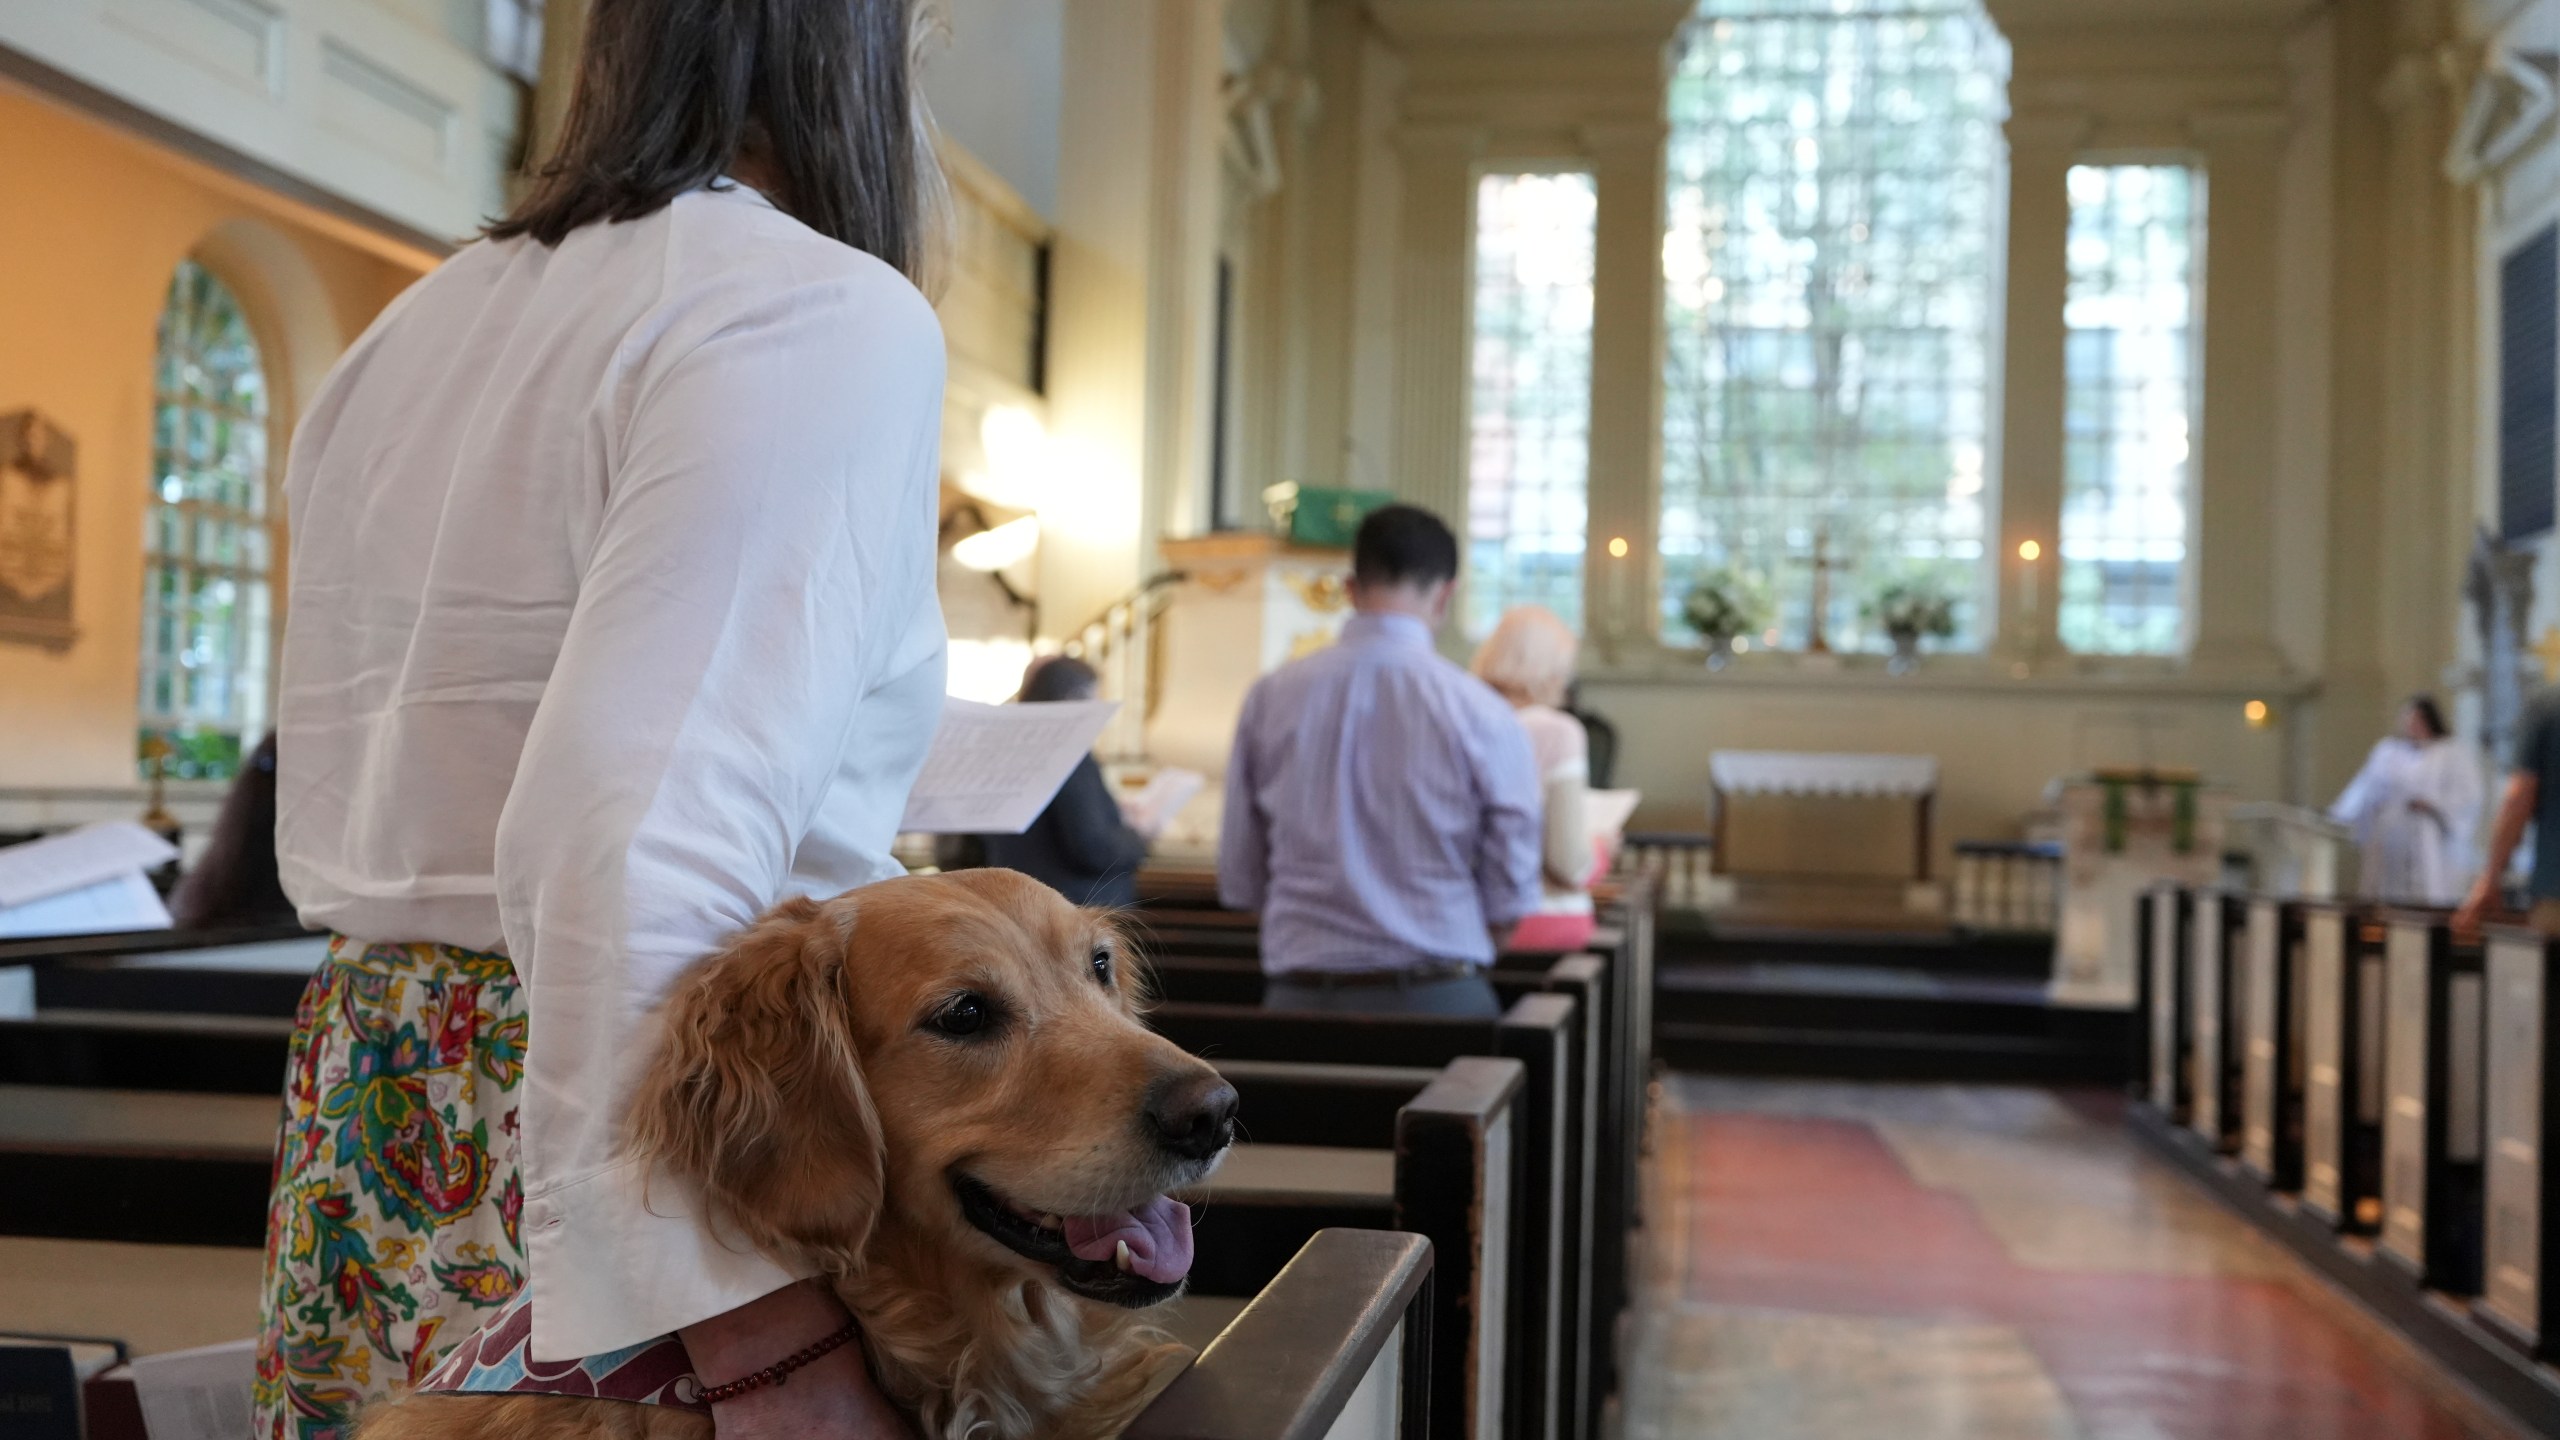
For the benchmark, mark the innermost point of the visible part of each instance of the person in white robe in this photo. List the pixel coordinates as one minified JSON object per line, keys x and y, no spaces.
{"x":2413,"y":807}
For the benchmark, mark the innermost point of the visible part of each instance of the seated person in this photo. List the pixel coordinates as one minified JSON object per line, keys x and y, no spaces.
{"x":234,"y":881}
{"x":1382,"y":803}
{"x":1080,"y":846}
{"x":1528,"y":660}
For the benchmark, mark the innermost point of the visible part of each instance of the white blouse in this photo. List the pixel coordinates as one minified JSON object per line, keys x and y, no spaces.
{"x":612,"y":623}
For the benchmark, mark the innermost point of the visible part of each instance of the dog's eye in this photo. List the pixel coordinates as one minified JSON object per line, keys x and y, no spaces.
{"x":964,"y":1016}
{"x":1102,"y":964}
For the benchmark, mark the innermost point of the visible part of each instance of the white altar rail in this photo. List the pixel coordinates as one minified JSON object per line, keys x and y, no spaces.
{"x":2007,"y":886}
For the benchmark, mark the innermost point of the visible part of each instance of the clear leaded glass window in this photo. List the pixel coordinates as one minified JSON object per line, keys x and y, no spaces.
{"x":1528,"y":463}
{"x":2136,"y":233}
{"x":1831,"y":264}
{"x":206,"y":617}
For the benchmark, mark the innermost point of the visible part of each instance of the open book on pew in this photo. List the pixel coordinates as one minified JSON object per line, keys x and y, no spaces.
{"x":88,"y":881}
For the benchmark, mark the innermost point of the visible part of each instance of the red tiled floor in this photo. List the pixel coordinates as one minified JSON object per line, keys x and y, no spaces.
{"x":1819,"y":1215}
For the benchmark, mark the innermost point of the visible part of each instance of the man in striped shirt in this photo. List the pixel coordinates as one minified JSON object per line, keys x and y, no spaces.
{"x":1382,"y":807}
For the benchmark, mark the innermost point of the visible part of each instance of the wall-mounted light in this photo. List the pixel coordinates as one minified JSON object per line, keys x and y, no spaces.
{"x":2030,"y":551}
{"x":2257,"y":713}
{"x":991,"y":550}
{"x":1618,"y":547}
{"x":1017,"y":468}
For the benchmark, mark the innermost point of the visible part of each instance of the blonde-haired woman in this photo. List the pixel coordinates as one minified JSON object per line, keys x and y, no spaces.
{"x":1528,"y":660}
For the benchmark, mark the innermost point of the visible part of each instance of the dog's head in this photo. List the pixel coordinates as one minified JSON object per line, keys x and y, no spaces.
{"x":955,"y":1056}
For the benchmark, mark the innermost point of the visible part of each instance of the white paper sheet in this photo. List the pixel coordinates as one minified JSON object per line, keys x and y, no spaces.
{"x":126,"y":902}
{"x":1152,"y":806}
{"x":78,"y":858}
{"x":1606,"y":812}
{"x":994,"y":768}
{"x":198,"y":1394}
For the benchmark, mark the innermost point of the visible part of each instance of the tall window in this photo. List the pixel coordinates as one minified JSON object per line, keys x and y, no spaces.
{"x":1831,"y":265}
{"x":205,"y":606}
{"x":2136,"y":233}
{"x":1529,"y":463}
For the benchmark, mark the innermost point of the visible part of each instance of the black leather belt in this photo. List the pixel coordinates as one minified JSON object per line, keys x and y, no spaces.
{"x":1403,"y":978}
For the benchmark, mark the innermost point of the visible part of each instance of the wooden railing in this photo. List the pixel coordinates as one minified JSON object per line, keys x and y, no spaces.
{"x":1125,"y":646}
{"x":2007,"y":886}
{"x":1680,"y":864}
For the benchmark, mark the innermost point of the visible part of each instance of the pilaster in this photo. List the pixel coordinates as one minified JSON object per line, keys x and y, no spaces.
{"x":1627,"y":163}
{"x":2042,"y":145}
{"x":2232,"y":528}
{"x":1434,"y":269}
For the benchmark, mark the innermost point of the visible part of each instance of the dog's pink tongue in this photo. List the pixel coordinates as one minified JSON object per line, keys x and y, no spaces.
{"x":1158,"y":1235}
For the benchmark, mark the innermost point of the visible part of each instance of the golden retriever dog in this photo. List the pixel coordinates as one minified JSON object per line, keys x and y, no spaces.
{"x":938,"y":1091}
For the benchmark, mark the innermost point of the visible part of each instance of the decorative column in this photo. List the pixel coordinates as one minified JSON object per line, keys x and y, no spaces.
{"x":1625,"y":485}
{"x":1132,"y":275}
{"x":2042,"y":145}
{"x":2416,"y":574}
{"x":2232,"y":533}
{"x":1435,"y":270}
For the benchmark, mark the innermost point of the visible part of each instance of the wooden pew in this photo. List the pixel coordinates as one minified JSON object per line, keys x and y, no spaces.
{"x":2165,"y":1011}
{"x":1596,"y":1219}
{"x":2213,"y":1026}
{"x":2342,"y":975}
{"x":2520,"y":1291}
{"x":1538,"y":1031}
{"x":2272,"y":1078}
{"x":2431,"y":1129}
{"x":1325,"y":1149}
{"x":1337,"y":1346}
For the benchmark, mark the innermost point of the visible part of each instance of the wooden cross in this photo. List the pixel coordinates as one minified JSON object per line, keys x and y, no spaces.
{"x":2547,"y":649}
{"x":1816,"y":642}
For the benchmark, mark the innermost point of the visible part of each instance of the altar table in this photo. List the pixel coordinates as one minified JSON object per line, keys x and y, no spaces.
{"x":1824,"y":775}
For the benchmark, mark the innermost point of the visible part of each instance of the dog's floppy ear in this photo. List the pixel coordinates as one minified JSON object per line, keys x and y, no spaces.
{"x":755,"y":1094}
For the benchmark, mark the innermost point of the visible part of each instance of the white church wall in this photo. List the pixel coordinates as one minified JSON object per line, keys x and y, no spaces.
{"x":995,"y":87}
{"x":392,"y":108}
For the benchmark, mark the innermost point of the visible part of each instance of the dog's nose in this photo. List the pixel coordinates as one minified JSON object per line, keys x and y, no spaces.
{"x":1194,"y":1116}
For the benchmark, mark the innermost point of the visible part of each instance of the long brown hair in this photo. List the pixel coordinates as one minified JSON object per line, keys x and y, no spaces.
{"x":669,"y":92}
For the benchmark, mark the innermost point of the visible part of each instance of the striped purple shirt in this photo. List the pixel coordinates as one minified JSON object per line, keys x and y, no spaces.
{"x":1382,"y":807}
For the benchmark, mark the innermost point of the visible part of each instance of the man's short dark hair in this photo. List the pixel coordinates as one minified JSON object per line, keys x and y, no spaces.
{"x":1404,"y":545}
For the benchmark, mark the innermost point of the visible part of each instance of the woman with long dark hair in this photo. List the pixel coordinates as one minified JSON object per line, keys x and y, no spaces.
{"x":612,"y":623}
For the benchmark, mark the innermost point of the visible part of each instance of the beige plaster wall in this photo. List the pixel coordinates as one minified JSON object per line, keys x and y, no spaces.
{"x":87,"y":243}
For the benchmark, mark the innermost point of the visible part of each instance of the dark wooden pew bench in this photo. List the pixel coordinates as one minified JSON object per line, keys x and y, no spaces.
{"x":1596,"y":1280}
{"x":2431,"y":1127}
{"x":2166,"y":1015}
{"x":2215,"y":1041}
{"x":1336,"y":1347}
{"x":2272,"y":1076}
{"x":1539,"y":1031}
{"x":2520,"y":1282}
{"x":1443,"y":1165}
{"x":2342,"y":980}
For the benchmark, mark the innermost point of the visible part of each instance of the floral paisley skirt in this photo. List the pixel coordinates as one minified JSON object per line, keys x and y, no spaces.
{"x":393,"y":1230}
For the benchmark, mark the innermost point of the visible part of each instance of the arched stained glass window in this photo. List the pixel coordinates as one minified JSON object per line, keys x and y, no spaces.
{"x":1831,"y":271}
{"x":207,"y":613}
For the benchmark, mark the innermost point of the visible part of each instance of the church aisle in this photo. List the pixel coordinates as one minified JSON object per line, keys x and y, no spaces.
{"x":1839,"y":1261}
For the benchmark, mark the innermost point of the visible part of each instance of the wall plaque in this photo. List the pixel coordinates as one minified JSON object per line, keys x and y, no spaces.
{"x":37,"y":476}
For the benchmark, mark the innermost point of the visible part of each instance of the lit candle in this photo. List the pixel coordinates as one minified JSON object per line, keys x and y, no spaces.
{"x":2029,"y":552}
